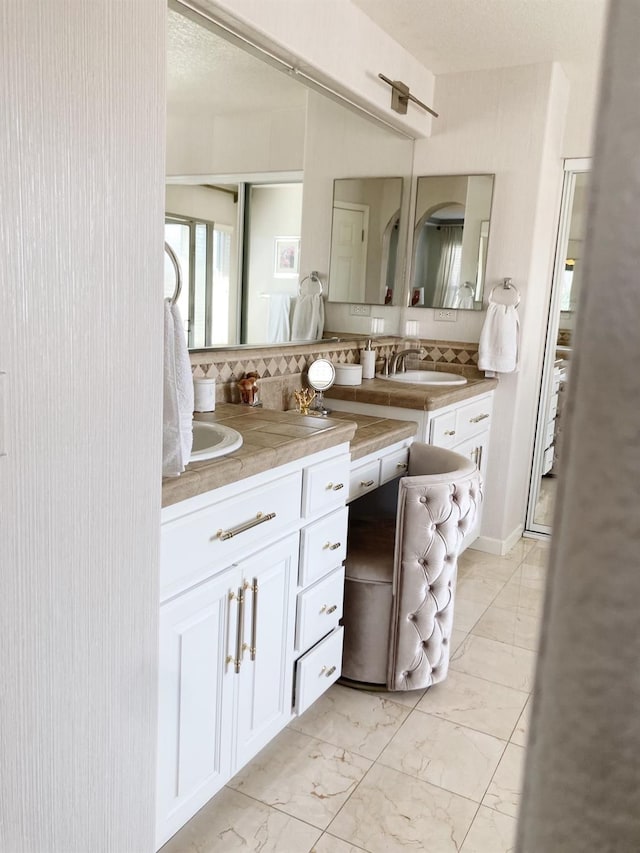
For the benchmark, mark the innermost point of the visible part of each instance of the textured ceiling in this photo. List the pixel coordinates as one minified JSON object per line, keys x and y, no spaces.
{"x":205,"y":70}
{"x":465,"y":35}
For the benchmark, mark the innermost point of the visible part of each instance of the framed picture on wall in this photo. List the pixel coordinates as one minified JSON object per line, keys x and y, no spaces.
{"x":287,"y":256}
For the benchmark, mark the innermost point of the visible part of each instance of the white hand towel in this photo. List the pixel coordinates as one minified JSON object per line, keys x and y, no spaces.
{"x":278,"y":326}
{"x":177,"y":420}
{"x":498,"y":347}
{"x":308,"y":317}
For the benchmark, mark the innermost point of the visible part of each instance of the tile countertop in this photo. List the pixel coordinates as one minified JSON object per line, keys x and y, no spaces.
{"x":273,"y":438}
{"x":408,"y":395}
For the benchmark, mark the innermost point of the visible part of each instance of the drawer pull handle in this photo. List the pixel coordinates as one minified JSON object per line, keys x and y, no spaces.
{"x":240,"y":632}
{"x":332,"y":609}
{"x":335,"y":487}
{"x":366,"y":483}
{"x":402,"y":466}
{"x":331,"y":547}
{"x":478,"y":418}
{"x":328,"y":672}
{"x":260,"y":518}
{"x":254,"y":619}
{"x":450,"y":432}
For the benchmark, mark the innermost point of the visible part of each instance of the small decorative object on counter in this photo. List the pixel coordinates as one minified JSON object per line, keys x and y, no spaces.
{"x":204,"y":394}
{"x":249,"y":389}
{"x":304,"y":398}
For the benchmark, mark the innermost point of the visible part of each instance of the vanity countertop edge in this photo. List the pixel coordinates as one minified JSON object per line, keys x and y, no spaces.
{"x":408,"y":395}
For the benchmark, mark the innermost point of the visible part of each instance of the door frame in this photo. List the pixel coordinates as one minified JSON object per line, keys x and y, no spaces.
{"x":572,"y":167}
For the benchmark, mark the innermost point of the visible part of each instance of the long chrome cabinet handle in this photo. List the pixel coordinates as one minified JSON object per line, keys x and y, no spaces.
{"x":229,"y":658}
{"x":260,"y":518}
{"x":240,"y":631}
{"x":478,"y":418}
{"x":479,"y":462}
{"x":254,"y":620}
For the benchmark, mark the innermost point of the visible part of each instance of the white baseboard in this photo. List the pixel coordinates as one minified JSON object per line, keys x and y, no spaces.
{"x":500,"y":547}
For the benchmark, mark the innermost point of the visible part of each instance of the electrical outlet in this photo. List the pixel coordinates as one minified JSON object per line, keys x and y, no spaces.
{"x":360,"y":310}
{"x":447,"y":315}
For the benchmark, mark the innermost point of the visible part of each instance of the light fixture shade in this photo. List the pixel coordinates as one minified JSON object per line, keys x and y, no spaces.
{"x":411,"y":328}
{"x":377,"y":325}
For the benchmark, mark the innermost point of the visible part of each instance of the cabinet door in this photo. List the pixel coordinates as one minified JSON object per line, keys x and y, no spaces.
{"x":264,"y":688}
{"x":197,"y":632}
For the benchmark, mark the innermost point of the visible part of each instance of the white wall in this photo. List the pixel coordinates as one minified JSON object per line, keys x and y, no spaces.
{"x":508,"y":122}
{"x":82,"y":148}
{"x":207,"y":203}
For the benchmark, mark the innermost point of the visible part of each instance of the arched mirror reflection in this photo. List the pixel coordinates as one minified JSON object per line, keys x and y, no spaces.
{"x":450,"y":239}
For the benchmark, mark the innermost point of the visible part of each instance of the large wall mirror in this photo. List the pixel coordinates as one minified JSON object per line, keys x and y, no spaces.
{"x":364,"y":240}
{"x":252,"y":157}
{"x":450,"y":239}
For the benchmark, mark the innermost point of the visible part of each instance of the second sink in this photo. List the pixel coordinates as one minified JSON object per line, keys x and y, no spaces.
{"x":426,"y":377}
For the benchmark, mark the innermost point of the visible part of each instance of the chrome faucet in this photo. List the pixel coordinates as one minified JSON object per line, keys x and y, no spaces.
{"x":397,"y":362}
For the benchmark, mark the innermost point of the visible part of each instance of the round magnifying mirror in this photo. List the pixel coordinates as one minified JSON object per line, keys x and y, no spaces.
{"x":320,"y":376}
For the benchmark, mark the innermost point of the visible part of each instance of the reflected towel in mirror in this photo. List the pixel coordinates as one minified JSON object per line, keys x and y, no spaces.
{"x":278,"y":324}
{"x":308,"y":317}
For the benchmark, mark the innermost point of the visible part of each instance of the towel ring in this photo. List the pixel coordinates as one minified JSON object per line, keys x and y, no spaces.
{"x":314,"y":278}
{"x":176,"y":267}
{"x":507,"y":284}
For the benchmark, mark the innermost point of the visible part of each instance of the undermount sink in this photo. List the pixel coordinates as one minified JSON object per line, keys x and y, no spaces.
{"x":211,"y":440}
{"x":426,"y":377}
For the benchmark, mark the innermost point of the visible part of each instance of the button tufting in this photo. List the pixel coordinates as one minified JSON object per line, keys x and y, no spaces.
{"x":423,"y":500}
{"x":425,"y":644}
{"x":411,"y":617}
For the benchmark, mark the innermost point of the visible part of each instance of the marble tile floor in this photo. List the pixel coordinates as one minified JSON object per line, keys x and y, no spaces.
{"x":436,"y":770}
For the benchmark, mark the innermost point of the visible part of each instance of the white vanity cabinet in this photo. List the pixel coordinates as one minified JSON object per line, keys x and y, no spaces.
{"x":464,"y":427}
{"x":237,"y":619}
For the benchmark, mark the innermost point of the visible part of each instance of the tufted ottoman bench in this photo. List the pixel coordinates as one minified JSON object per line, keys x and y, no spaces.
{"x":400,"y":574}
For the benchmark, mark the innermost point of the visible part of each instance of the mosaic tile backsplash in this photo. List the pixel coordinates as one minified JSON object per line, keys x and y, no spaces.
{"x":227,"y":366}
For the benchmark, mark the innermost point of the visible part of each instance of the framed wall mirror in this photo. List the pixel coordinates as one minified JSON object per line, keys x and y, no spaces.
{"x":450,"y":241}
{"x":252,"y":156}
{"x":364,"y":240}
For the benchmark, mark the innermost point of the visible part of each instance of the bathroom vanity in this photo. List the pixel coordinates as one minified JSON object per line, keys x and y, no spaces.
{"x":252,"y":580}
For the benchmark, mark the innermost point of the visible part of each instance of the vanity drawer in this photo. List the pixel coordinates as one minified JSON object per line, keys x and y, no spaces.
{"x":443,"y":431}
{"x":323,"y":546}
{"x":319,"y":609}
{"x":201,"y":543}
{"x":325,"y":485}
{"x":394,"y":465}
{"x":474,"y":417}
{"x":364,"y":479}
{"x":318,"y":670}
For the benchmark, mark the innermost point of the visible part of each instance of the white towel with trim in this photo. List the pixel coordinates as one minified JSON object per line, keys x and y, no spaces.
{"x":308,"y":317}
{"x":177,"y":416}
{"x":498,"y":347}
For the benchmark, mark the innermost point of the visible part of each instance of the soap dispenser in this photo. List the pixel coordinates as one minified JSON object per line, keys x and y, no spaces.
{"x":368,"y":361}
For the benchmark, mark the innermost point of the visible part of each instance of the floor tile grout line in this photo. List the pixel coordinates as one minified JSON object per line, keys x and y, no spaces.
{"x":471,"y":728}
{"x":271,"y":806}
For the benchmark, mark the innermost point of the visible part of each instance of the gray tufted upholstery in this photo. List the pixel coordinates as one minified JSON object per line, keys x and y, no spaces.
{"x":401,"y":574}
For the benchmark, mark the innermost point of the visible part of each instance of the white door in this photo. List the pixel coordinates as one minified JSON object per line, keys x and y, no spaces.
{"x":197,"y":633}
{"x":349,"y":238}
{"x":264,"y":699}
